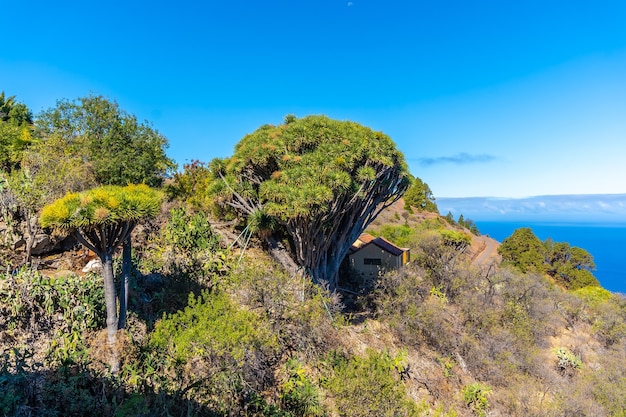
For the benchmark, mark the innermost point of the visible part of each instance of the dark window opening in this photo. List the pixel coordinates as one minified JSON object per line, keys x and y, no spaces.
{"x":372,"y":261}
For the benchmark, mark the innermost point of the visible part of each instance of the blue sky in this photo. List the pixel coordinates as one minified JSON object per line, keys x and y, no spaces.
{"x":484,"y":98}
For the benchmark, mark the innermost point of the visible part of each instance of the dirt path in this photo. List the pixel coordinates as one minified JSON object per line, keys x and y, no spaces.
{"x":489,"y":252}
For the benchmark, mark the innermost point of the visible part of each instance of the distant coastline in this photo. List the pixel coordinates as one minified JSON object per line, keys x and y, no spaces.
{"x":604,"y":241}
{"x":585,"y":208}
{"x":594,"y":222}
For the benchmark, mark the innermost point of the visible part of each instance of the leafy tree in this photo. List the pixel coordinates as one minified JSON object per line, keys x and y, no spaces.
{"x":15,"y":131}
{"x":57,"y":168}
{"x":318,"y":180}
{"x":29,"y":199}
{"x":102,"y":219}
{"x":419,"y":195}
{"x":523,"y":250}
{"x":569,"y":266}
{"x":14,"y":112}
{"x":191,"y":185}
{"x":48,"y":170}
{"x":120,"y":149}
{"x":6,"y":104}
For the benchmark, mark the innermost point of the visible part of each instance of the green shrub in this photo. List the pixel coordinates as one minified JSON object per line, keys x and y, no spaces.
{"x":447,"y":365}
{"x":31,"y":301}
{"x":212,"y":325}
{"x":298,"y":393}
{"x":610,"y":321}
{"x":402,"y":235}
{"x":215,"y":351}
{"x":607,"y":385}
{"x":567,"y":362}
{"x":305,"y":316}
{"x":475,"y":397}
{"x":15,"y":363}
{"x":27,"y":387}
{"x":370,"y":386}
{"x":594,"y":295}
{"x":187,"y":245}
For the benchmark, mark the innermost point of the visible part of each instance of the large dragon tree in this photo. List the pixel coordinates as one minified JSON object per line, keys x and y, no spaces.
{"x":102,"y":219}
{"x":317,"y":180}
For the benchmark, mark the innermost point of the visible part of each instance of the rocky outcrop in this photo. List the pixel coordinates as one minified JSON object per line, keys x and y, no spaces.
{"x":43,"y":244}
{"x":15,"y":238}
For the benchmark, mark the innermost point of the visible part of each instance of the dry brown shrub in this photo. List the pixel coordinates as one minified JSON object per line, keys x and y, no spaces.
{"x":101,"y":352}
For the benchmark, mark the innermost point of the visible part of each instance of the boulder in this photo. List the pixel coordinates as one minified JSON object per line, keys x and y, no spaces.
{"x":43,"y":244}
{"x":93,"y":265}
{"x":17,"y":242}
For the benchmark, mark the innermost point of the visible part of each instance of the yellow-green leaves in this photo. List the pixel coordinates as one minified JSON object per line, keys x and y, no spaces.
{"x":307,"y":164}
{"x":100,"y":206}
{"x":455,"y":238}
{"x":366,"y":174}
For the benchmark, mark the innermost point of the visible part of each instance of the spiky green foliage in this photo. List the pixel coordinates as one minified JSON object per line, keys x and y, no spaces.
{"x":322,"y":180}
{"x":476,"y":397}
{"x":101,"y":206}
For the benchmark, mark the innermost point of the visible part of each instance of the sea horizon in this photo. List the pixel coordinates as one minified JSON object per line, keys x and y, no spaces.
{"x":575,"y":208}
{"x":603,"y":240}
{"x":594,"y":222}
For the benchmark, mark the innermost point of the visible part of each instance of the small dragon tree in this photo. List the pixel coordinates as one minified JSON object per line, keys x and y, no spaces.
{"x":102,"y":219}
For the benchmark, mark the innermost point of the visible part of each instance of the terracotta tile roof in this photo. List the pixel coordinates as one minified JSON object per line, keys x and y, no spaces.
{"x":361,"y":241}
{"x":365,"y":239}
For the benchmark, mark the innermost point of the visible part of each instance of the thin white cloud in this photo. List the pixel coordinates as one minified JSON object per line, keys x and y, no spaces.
{"x":458,"y":159}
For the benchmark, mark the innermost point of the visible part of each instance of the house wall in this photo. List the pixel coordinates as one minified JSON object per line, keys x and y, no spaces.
{"x":387,"y":261}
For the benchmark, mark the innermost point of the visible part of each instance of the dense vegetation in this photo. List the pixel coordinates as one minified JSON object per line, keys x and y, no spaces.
{"x":567,"y":265}
{"x":419,"y":195}
{"x":216,"y":327}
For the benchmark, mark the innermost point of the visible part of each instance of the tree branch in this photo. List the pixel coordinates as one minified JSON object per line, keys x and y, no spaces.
{"x":77,"y":234}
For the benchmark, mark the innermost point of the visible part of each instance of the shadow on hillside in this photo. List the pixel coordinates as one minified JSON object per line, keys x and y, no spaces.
{"x":356,"y":296}
{"x":155,"y":294}
{"x":71,"y":391}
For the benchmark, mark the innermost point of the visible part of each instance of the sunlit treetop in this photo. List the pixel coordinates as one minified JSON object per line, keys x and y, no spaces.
{"x":102,"y":206}
{"x":307,"y":165}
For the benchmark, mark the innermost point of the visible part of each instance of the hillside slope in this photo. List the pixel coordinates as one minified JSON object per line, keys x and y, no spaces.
{"x":482,"y":251}
{"x":219,"y":332}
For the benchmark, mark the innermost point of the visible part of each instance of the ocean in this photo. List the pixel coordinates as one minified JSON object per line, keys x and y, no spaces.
{"x":606,"y":242}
